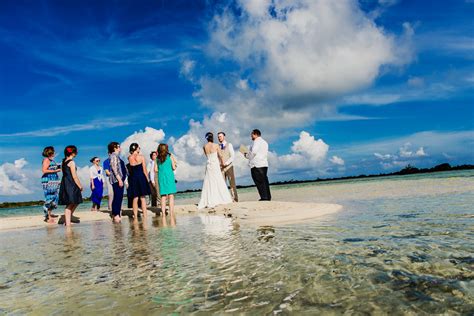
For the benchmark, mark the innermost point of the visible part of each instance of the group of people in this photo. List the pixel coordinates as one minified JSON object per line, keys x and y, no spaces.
{"x":219,"y":169}
{"x":156,"y":180}
{"x":118,"y":175}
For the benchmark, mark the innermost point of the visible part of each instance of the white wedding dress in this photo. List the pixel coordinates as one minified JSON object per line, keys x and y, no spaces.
{"x":214,"y":188}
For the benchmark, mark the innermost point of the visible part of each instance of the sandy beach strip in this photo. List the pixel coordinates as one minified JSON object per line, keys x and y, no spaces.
{"x":251,"y":213}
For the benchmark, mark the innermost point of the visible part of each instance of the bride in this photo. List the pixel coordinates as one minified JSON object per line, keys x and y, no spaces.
{"x":214,"y":188}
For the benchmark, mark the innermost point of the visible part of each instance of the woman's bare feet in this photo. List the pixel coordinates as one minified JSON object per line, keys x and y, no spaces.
{"x":117,"y":219}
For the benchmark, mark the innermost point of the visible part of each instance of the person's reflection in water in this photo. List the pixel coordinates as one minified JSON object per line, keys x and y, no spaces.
{"x":139,"y":255}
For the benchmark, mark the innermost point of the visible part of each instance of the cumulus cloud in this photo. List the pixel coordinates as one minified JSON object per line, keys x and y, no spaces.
{"x":148,"y":139}
{"x":293,"y":58}
{"x":14,"y":179}
{"x":406,"y":152}
{"x":404,"y":156}
{"x":337,"y":160}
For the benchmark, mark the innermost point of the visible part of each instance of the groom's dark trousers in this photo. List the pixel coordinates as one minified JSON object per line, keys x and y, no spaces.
{"x":259,"y":176}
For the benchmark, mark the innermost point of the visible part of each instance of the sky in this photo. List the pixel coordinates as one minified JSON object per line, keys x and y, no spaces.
{"x":337,"y":87}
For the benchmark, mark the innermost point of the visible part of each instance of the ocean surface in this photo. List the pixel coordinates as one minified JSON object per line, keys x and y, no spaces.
{"x":401,"y":245}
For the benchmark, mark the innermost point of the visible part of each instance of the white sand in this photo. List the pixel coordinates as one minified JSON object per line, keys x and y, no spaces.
{"x":244,"y":213}
{"x":272,"y":213}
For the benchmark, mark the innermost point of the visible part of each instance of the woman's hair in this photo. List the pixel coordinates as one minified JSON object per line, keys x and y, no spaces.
{"x":210,"y":137}
{"x":48,"y":151}
{"x":162,"y":152}
{"x":112,"y":146}
{"x":133,"y":147}
{"x":93,"y":158}
{"x":69,"y":151}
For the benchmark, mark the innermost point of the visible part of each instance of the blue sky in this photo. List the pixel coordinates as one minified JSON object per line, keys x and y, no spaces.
{"x":389,"y":83}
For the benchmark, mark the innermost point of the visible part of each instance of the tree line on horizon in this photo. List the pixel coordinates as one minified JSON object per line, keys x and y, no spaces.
{"x":408,"y":170}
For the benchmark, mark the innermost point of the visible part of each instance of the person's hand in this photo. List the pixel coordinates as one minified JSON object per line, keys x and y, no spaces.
{"x":92,"y":188}
{"x":120,"y":182}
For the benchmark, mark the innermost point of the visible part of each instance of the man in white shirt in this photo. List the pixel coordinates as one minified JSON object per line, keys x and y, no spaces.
{"x":153,"y":178}
{"x":258,"y":162}
{"x":228,"y":156}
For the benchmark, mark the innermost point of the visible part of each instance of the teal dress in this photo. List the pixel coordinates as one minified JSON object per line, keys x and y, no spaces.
{"x":166,"y":177}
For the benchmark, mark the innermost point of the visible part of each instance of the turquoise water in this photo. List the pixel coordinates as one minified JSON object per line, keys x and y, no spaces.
{"x":397,"y":254}
{"x":194,"y":196}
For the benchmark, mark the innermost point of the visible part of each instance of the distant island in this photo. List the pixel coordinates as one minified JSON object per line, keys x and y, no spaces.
{"x":409,"y":169}
{"x":405,"y":171}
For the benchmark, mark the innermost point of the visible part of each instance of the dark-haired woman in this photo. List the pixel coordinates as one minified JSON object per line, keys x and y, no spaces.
{"x":138,"y":180}
{"x":118,"y":174}
{"x":166,"y":165}
{"x":96,"y":174}
{"x":50,"y":181}
{"x":214,"y":189}
{"x":71,"y":188}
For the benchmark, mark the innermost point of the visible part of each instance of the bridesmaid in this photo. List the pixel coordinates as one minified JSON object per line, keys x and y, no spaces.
{"x":70,"y":189}
{"x":138,"y":180}
{"x":96,"y":174}
{"x":166,"y":166}
{"x":50,"y":181}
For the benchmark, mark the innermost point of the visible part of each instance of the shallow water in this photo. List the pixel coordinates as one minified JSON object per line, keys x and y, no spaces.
{"x":397,"y":255}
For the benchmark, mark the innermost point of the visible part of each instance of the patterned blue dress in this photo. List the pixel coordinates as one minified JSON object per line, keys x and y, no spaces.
{"x":50,"y":182}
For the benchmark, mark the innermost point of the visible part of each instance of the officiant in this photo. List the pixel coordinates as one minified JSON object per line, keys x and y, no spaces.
{"x":228,"y":156}
{"x":258,"y":162}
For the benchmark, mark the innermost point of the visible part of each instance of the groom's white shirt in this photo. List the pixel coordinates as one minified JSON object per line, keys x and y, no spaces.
{"x":231,"y":151}
{"x":258,"y":154}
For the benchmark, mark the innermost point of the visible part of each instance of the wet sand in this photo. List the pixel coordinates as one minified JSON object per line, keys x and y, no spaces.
{"x":244,"y":213}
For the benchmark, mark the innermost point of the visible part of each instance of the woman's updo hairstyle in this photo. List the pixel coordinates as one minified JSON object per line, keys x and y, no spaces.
{"x":133,"y":147}
{"x":70,"y":150}
{"x":48,"y":151}
{"x":210,"y":137}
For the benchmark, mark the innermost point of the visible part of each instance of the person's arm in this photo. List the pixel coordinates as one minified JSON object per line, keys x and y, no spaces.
{"x":232,"y":155}
{"x":144,"y":169}
{"x":92,"y":176}
{"x":253,"y":151}
{"x":174,"y":164}
{"x":115,"y":169}
{"x":219,"y":155}
{"x":46,"y":166}
{"x":107,"y":167}
{"x":72,"y":165}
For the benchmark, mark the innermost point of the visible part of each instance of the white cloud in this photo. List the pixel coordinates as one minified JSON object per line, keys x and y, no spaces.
{"x":406,"y":152}
{"x":337,"y":160}
{"x":64,"y":130}
{"x":311,"y":149}
{"x":148,"y":140}
{"x":293,"y":60}
{"x":14,"y":179}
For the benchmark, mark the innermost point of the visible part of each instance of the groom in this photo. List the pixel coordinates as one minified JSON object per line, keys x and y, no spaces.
{"x":228,"y":155}
{"x":258,"y":161}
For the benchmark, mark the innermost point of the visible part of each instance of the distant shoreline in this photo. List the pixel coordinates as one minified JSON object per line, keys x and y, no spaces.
{"x":408,"y":170}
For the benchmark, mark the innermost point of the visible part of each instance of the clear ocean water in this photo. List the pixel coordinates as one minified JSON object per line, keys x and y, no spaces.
{"x":401,"y":245}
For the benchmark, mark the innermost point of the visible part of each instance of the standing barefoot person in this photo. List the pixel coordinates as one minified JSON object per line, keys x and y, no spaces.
{"x":96,"y":174}
{"x":166,"y":166}
{"x":118,"y":174}
{"x":110,"y":189}
{"x":70,"y":189}
{"x":50,"y":181}
{"x":138,"y":180}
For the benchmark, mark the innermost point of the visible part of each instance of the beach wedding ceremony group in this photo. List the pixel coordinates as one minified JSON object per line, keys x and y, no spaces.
{"x":240,"y":157}
{"x":157,"y":180}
